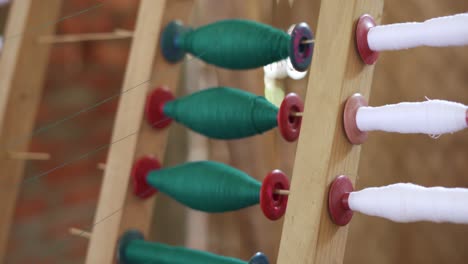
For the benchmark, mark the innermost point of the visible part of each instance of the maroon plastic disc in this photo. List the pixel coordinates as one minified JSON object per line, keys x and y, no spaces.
{"x":274,"y":205}
{"x":140,"y":171}
{"x":289,"y":125}
{"x":338,"y":194}
{"x":365,"y":23}
{"x":154,"y":112}
{"x":355,"y":136}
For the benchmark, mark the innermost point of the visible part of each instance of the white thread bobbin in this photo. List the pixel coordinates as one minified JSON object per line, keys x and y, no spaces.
{"x":401,"y":202}
{"x":432,"y":117}
{"x":436,"y":32}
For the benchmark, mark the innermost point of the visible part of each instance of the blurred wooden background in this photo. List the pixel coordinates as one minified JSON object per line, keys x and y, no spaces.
{"x":81,"y":73}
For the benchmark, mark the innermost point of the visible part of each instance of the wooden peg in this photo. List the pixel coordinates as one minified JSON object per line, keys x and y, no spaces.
{"x":78,"y":232}
{"x":308,"y":41}
{"x":101,"y":166}
{"x":117,"y":34}
{"x":28,"y":155}
{"x":297,"y":114}
{"x":282,"y":192}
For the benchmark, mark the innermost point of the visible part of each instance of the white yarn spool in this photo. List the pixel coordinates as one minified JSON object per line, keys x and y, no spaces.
{"x":433,"y":117}
{"x":437,"y":32}
{"x":405,"y":202}
{"x":276,"y":70}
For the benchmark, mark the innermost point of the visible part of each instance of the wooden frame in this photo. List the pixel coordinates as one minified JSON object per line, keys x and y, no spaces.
{"x":323,"y":151}
{"x":22,"y":69}
{"x":117,"y":205}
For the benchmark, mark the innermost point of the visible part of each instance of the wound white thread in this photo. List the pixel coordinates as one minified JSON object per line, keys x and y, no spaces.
{"x":432,"y":117}
{"x":405,"y":202}
{"x":437,"y":32}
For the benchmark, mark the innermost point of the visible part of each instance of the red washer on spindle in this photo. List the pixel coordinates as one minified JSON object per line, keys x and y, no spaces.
{"x":154,"y":108}
{"x":338,"y":195}
{"x":274,"y":205}
{"x":288,"y":124}
{"x":364,"y":24}
{"x":355,"y":136}
{"x":140,"y":171}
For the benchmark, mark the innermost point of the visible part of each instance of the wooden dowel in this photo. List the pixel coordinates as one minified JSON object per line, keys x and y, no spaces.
{"x":117,"y":34}
{"x":296,"y":114}
{"x":308,"y":41}
{"x":28,"y":155}
{"x":78,"y":232}
{"x":282,"y":192}
{"x":101,"y":166}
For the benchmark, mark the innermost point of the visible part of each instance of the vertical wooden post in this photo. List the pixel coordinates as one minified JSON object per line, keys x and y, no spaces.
{"x":22,"y":66}
{"x":323,"y":151}
{"x":118,"y":209}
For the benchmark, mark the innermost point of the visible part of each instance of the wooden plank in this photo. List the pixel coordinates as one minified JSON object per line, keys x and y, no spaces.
{"x":22,"y":66}
{"x":117,"y":208}
{"x":323,"y":151}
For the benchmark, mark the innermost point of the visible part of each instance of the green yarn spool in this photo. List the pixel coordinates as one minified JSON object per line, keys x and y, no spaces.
{"x":224,"y":113}
{"x":236,"y":44}
{"x":207,"y":186}
{"x":140,"y":251}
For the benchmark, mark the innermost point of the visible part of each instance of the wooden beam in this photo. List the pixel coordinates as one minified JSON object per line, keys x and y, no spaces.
{"x":22,"y":66}
{"x":118,"y":209}
{"x":323,"y":151}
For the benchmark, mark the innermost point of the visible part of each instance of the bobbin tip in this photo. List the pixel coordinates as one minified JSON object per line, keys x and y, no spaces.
{"x":139,"y":173}
{"x":364,"y":24}
{"x":355,"y":136}
{"x":154,"y":109}
{"x":126,"y":238}
{"x":340,"y":213}
{"x":274,"y":205}
{"x":169,"y":41}
{"x":288,"y":124}
{"x":301,"y":53}
{"x":259,"y":258}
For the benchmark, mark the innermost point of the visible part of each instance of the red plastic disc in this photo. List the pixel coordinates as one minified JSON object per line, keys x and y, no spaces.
{"x":338,"y":200}
{"x":365,"y":23}
{"x":289,"y":125}
{"x":274,"y":205}
{"x":355,"y":136}
{"x":466,"y":117}
{"x":140,"y":171}
{"x":154,"y":112}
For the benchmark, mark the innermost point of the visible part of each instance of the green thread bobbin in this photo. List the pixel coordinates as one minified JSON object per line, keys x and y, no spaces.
{"x":133,"y":249}
{"x":238,"y":44}
{"x":211,"y":187}
{"x":225,"y":113}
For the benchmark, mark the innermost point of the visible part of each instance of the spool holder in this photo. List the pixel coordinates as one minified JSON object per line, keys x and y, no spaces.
{"x":274,"y":205}
{"x":355,"y":136}
{"x":288,"y":124}
{"x":338,"y":194}
{"x":139,"y":173}
{"x":364,"y":24}
{"x":154,"y":108}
